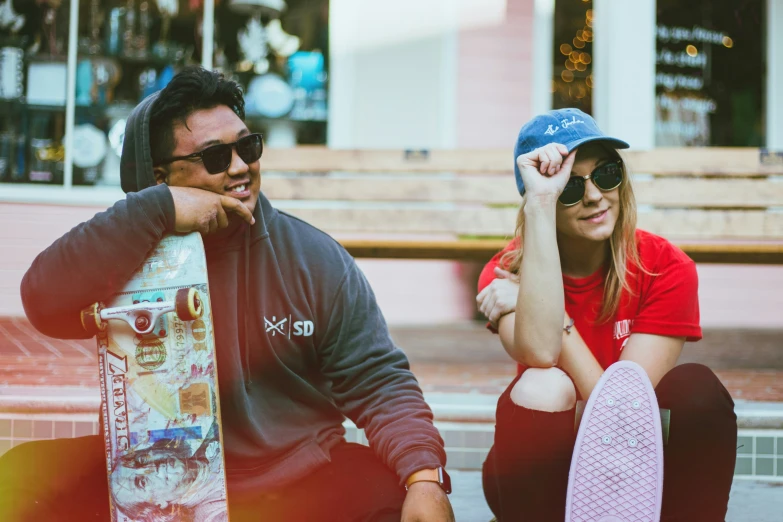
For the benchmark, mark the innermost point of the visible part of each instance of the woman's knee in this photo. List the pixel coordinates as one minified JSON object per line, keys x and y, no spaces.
{"x":544,"y":389}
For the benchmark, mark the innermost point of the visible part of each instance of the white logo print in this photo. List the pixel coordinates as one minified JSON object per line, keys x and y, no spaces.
{"x":284,"y":327}
{"x":623,"y":329}
{"x":574,"y":121}
{"x":274,"y":326}
{"x":551,"y":130}
{"x":304,"y":328}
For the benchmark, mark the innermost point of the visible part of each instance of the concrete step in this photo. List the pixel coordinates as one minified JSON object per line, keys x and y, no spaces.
{"x":465,"y":421}
{"x":476,"y":407}
{"x":446,"y":407}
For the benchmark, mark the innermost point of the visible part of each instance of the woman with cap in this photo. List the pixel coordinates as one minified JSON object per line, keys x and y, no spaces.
{"x":578,"y":289}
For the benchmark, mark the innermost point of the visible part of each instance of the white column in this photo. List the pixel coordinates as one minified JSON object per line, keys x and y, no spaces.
{"x":70,"y":92}
{"x":774,"y":75}
{"x":543,"y":41}
{"x":343,"y":24}
{"x":449,"y":50}
{"x":624,"y":70}
{"x":208,"y":34}
{"x":393,"y":70}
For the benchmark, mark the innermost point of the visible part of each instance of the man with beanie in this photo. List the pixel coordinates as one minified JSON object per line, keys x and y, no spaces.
{"x":189,"y":163}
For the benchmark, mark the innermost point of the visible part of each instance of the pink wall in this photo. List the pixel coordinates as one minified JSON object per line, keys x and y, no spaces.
{"x":415,"y":292}
{"x":494,"y":79}
{"x":741,"y":296}
{"x":25,"y":230}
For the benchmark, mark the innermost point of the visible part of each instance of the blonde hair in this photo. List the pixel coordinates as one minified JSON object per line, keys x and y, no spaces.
{"x":622,"y":245}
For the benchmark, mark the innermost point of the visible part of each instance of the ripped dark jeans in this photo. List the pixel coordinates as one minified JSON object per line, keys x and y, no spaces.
{"x":526,"y":472}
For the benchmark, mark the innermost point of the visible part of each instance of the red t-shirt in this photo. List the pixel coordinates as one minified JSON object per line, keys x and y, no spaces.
{"x":666,"y":303}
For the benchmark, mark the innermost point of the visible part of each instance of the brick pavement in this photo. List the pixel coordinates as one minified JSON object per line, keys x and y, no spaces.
{"x":467,"y":358}
{"x":459,"y":358}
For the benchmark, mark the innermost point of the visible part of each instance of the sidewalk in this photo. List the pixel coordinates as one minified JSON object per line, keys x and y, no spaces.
{"x":467,"y":358}
{"x":750,"y":501}
{"x":462,"y":369}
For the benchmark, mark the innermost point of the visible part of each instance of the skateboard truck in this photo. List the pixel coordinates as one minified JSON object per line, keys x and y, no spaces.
{"x":143,"y":316}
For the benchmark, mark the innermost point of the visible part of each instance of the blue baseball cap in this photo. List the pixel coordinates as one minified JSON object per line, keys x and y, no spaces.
{"x":571,"y":127}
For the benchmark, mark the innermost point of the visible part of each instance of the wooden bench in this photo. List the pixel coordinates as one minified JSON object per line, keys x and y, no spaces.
{"x":720,"y":205}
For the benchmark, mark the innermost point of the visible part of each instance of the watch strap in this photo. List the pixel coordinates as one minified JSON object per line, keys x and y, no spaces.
{"x":436,"y":475}
{"x":423,"y":475}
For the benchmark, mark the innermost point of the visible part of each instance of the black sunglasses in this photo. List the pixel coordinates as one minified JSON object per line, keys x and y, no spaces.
{"x":606,"y":177}
{"x":217,"y":158}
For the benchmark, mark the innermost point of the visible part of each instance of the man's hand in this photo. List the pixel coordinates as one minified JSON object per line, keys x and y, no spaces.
{"x":199,"y":210}
{"x":499,"y":297}
{"x":426,"y":502}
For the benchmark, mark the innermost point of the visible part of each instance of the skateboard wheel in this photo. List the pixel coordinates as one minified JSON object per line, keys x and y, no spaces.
{"x":188,"y":304}
{"x":91,"y":319}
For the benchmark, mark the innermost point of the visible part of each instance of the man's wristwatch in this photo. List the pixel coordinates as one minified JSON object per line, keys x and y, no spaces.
{"x":437,"y":475}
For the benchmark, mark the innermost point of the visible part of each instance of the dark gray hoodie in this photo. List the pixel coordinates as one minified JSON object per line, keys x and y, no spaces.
{"x":301,"y":342}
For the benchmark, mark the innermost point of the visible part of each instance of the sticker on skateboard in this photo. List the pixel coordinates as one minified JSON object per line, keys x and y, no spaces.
{"x":160,"y":402}
{"x":617,"y":465}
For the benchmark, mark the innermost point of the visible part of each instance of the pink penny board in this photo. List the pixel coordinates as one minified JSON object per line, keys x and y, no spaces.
{"x":617,"y":465}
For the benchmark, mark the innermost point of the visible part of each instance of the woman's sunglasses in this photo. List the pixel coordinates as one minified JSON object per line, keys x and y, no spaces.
{"x":217,"y":158}
{"x":607,"y":177}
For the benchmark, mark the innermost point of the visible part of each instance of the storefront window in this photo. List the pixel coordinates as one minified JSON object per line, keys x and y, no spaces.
{"x":129,"y":49}
{"x":710,"y":66}
{"x":278,"y":51}
{"x":33,"y":43}
{"x":572,"y":81}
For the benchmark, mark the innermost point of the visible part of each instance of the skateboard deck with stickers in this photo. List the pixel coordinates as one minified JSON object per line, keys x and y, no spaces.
{"x":159,"y":389}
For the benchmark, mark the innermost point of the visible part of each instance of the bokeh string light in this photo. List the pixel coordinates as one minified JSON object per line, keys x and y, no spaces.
{"x":572,"y":84}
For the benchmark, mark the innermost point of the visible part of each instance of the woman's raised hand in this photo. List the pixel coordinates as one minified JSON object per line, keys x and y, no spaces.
{"x":545,"y":171}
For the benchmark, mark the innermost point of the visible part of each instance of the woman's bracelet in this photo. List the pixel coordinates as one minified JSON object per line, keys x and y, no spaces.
{"x":567,"y":328}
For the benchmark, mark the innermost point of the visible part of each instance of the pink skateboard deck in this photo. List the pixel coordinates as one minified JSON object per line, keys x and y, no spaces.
{"x":158,"y":375}
{"x":617,"y":466}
